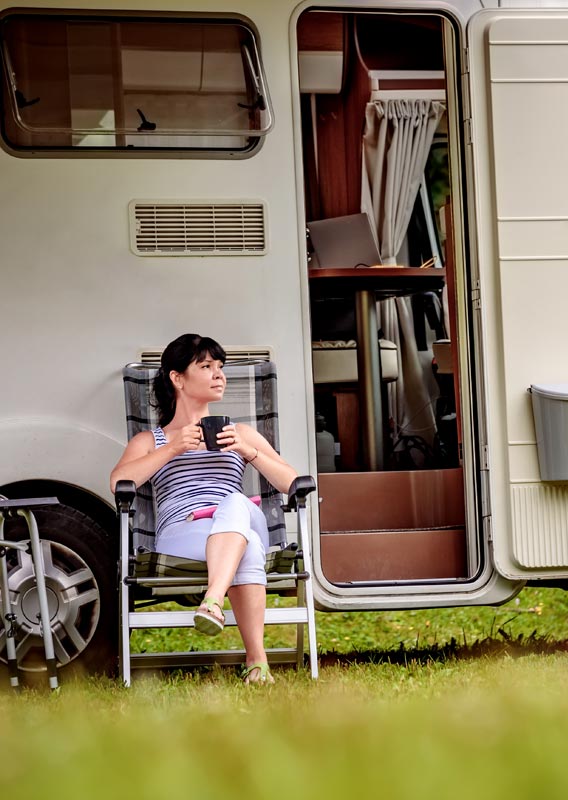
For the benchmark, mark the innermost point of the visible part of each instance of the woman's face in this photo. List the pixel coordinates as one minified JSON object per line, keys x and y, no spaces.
{"x":203,"y":380}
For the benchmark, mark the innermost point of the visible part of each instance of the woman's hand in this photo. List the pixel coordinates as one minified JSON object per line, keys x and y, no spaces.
{"x":254,"y":448}
{"x":142,"y":459}
{"x":231,"y":439}
{"x":183,"y":439}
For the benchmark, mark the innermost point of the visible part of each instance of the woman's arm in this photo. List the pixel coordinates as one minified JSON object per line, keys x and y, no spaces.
{"x":254,"y":448}
{"x":142,"y":459}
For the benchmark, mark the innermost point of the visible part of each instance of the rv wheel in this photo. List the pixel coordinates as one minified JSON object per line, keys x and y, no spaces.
{"x":80,"y":571}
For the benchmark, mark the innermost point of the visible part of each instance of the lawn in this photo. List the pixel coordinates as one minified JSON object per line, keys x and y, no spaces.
{"x":489,"y":727}
{"x":431,"y":704}
{"x":538,"y":615}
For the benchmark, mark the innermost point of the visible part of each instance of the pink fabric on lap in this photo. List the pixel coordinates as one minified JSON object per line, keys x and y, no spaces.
{"x":208,"y":511}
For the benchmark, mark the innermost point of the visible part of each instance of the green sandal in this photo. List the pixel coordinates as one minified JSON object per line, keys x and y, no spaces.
{"x":265,"y":676}
{"x":205,"y":621}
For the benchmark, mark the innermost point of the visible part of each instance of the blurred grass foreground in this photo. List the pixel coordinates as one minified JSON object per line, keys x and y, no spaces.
{"x":436,"y":723}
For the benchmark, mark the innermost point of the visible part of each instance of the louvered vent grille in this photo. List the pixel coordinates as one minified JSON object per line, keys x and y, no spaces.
{"x":151,"y":357}
{"x":178,"y":229}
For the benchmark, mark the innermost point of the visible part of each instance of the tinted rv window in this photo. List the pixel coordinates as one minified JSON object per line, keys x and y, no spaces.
{"x":83,"y":83}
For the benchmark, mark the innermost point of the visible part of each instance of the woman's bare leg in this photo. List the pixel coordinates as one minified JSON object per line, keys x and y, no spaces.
{"x":248,"y":602}
{"x":223,"y":554}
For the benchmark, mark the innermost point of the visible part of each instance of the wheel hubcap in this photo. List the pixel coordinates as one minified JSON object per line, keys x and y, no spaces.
{"x":73,"y":602}
{"x":30,"y":606}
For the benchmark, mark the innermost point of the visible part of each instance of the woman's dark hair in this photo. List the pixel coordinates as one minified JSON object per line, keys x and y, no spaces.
{"x":177,"y":356}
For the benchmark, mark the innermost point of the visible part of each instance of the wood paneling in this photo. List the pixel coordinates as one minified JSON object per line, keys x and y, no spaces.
{"x":372,"y":501}
{"x":318,"y":30}
{"x":347,"y":404}
{"x":394,"y":555}
{"x":387,"y":42}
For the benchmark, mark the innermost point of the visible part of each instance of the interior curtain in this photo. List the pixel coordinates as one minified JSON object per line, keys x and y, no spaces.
{"x":396,"y":143}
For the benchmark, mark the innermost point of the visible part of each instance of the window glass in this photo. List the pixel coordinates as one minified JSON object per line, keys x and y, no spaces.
{"x":84,"y":82}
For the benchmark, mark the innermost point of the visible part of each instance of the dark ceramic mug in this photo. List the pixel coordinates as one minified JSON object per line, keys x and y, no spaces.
{"x":211,"y":426}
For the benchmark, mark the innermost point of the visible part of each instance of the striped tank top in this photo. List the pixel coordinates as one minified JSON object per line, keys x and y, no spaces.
{"x":192,"y":480}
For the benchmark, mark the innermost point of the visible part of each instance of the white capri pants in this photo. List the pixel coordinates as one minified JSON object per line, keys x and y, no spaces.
{"x":234,"y":513}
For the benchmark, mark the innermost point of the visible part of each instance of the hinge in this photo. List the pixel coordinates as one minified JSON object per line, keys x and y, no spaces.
{"x":488,"y":528}
{"x":468,"y":131}
{"x":476,"y":296}
{"x":485,"y":494}
{"x":484,"y":457}
{"x":466,"y":96}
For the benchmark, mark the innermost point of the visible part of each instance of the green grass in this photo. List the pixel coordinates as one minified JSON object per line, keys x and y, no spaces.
{"x":491,"y":728}
{"x":536,"y":616}
{"x":464,"y":703}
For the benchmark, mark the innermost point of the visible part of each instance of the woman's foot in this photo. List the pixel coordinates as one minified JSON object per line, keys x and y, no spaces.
{"x":209,"y":617}
{"x":257,"y":673}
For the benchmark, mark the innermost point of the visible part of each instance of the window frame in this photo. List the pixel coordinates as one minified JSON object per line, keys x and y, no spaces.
{"x":255,"y":142}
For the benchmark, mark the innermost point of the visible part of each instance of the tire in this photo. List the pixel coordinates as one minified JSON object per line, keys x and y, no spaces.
{"x":81,"y":577}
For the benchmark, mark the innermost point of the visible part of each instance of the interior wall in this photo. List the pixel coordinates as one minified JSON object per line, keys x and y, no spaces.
{"x":386,"y":42}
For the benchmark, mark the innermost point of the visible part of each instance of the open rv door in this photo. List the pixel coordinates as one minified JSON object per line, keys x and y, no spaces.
{"x":518,"y":81}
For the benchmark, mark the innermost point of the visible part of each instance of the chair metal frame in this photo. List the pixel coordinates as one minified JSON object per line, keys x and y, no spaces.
{"x":135,"y":580}
{"x":32,"y":546}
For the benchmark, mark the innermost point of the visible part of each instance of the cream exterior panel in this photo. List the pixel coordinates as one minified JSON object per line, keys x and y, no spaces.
{"x":68,"y":453}
{"x":519,"y":135}
{"x":543,"y":509}
{"x":536,"y":239}
{"x":516,"y":28}
{"x":523,"y":462}
{"x":533,"y":316}
{"x":529,"y":124}
{"x":530,"y":62}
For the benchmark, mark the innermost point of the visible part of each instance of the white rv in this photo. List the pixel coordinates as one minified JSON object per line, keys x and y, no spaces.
{"x":370,"y":194}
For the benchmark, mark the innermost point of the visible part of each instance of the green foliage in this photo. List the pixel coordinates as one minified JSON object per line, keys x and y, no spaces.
{"x":438,"y":174}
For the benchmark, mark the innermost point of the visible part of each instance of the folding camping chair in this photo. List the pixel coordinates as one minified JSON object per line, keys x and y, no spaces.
{"x":34,"y":584}
{"x":147,"y":577}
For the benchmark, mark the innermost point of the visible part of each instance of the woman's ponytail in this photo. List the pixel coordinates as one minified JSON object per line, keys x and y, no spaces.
{"x":164,"y":398}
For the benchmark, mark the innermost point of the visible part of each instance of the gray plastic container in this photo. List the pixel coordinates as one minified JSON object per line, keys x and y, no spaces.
{"x":550,"y":410}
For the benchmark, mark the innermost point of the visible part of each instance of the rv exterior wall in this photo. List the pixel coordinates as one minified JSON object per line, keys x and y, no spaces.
{"x":521,"y":210}
{"x":82,"y":304}
{"x":77,"y":304}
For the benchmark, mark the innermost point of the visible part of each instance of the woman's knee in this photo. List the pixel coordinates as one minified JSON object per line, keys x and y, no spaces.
{"x":251,"y":566}
{"x":235,"y":502}
{"x":232,"y":514}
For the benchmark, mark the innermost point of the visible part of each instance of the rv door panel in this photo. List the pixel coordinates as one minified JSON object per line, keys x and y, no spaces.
{"x":519,"y":115}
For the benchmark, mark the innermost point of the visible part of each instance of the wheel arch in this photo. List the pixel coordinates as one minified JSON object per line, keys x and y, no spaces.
{"x":76,"y":497}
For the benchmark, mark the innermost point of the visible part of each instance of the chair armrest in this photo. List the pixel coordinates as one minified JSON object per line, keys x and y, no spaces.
{"x":299,"y":489}
{"x":26,"y":504}
{"x":124,"y":495}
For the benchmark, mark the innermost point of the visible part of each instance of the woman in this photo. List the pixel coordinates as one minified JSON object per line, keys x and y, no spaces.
{"x":187,"y":477}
